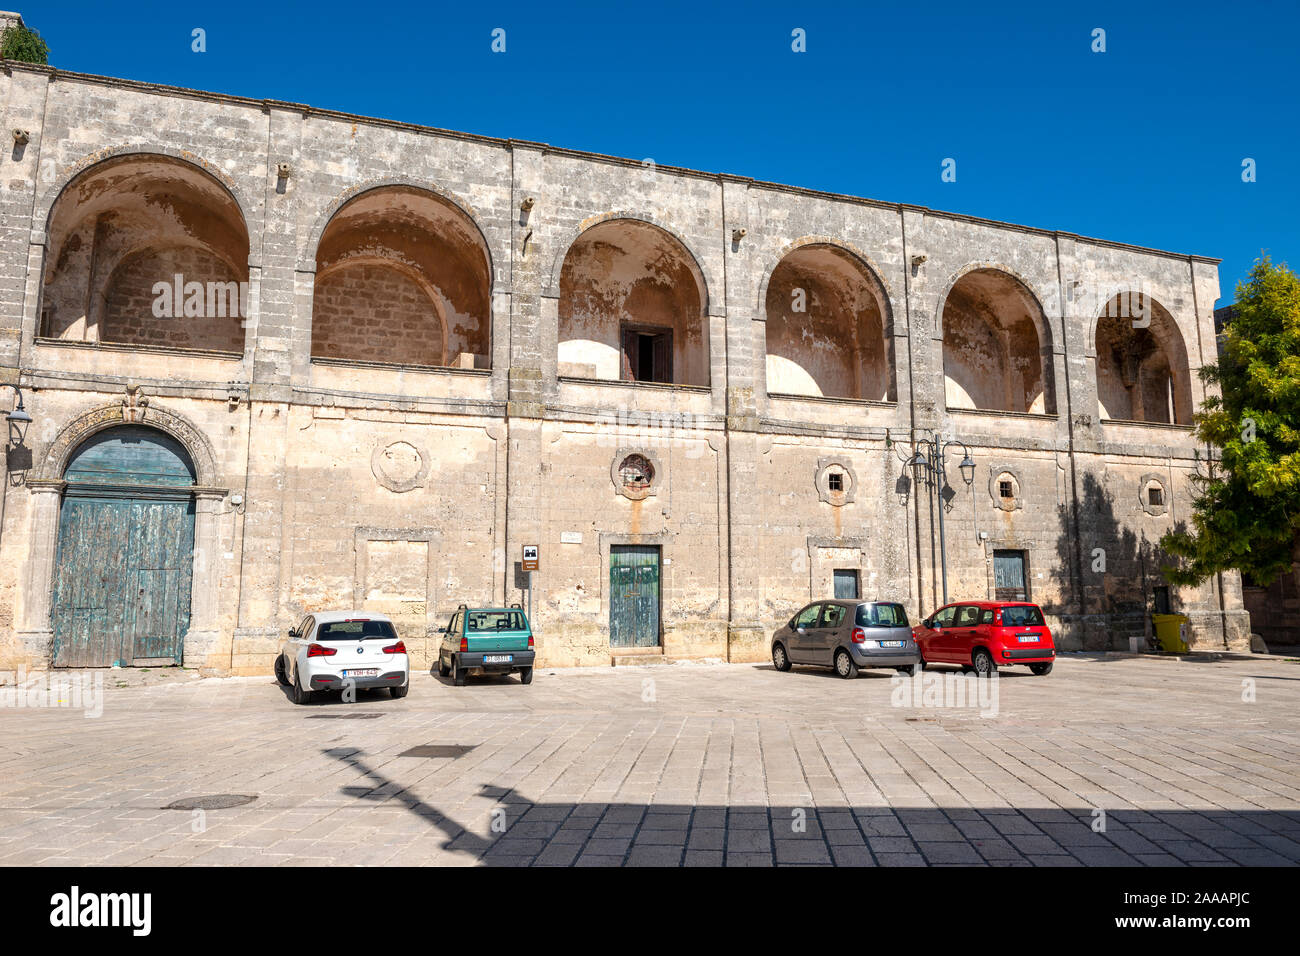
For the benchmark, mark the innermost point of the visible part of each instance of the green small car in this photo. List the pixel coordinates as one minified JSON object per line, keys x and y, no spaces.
{"x":487,"y":640}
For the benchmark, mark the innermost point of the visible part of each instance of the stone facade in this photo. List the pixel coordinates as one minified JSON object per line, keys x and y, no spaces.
{"x":503,"y":323}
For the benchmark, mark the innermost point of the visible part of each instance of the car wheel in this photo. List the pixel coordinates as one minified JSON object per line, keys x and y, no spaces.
{"x":300,"y":696}
{"x":443,"y":669}
{"x":526,"y":675}
{"x":457,"y":675}
{"x":400,"y":692}
{"x":779,"y":659}
{"x":1041,"y":670}
{"x":982,"y":661}
{"x":844,"y":665}
{"x":280,"y":675}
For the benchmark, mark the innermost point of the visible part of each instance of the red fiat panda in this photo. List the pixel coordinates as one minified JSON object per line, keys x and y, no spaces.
{"x":981,"y":635}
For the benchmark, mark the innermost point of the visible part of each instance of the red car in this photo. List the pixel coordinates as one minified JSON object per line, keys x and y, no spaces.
{"x":981,"y":635}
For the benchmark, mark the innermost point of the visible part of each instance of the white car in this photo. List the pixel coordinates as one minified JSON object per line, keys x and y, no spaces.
{"x":335,"y":650}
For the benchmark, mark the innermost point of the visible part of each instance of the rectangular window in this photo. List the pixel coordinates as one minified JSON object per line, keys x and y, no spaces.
{"x":647,"y":354}
{"x":846,"y":583}
{"x":1004,"y":489}
{"x":1023,"y":616}
{"x":1010,"y":580}
{"x":836,"y":481}
{"x":881,"y":615}
{"x":1155,"y":496}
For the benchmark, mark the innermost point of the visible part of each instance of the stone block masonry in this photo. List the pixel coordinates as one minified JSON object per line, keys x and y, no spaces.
{"x":458,"y":345}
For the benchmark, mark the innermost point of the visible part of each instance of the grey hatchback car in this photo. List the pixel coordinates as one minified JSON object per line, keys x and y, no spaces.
{"x":847,"y":635}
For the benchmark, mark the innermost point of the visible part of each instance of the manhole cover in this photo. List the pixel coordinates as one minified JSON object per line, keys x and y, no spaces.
{"x":361,"y":716}
{"x":216,"y":801}
{"x":438,"y":750}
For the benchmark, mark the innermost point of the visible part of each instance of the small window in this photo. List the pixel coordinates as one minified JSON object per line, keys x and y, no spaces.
{"x":1005,"y":489}
{"x":836,"y":481}
{"x":636,"y":472}
{"x":1156,"y":496}
{"x":846,"y":583}
{"x":968,"y":616}
{"x":986,"y":616}
{"x":647,"y":354}
{"x":944,"y":617}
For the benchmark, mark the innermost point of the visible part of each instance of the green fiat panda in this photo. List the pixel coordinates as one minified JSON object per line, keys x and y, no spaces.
{"x":486,"y":640}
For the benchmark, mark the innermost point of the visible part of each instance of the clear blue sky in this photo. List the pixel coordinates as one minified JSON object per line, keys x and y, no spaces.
{"x":1143,"y":143}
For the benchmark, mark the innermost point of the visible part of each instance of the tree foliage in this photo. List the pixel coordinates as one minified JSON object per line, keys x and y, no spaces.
{"x":1246,"y":514}
{"x":24,"y":45}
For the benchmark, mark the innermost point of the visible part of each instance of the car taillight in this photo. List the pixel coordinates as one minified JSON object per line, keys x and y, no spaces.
{"x":319,"y":650}
{"x":464,"y":645}
{"x":997,"y":617}
{"x":530,"y":642}
{"x":859,"y":636}
{"x":398,"y":648}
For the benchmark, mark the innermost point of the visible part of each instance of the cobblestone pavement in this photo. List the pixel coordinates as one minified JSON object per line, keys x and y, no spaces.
{"x":687,"y":764}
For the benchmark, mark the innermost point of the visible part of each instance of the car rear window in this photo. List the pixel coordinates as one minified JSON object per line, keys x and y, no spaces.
{"x":1021,"y":616}
{"x":354,"y":630}
{"x":480,"y":621}
{"x":881,"y":615}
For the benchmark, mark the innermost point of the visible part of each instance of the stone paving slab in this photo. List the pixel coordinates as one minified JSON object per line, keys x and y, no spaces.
{"x":1107,"y":761}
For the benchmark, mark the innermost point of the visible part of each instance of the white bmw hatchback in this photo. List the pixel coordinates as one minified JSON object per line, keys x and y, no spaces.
{"x":342,"y":651}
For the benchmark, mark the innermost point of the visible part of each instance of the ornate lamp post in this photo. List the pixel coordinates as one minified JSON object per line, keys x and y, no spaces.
{"x":927,"y":461}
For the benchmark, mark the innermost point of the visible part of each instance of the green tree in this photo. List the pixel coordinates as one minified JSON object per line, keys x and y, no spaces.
{"x":24,"y":45}
{"x":1246,"y":513}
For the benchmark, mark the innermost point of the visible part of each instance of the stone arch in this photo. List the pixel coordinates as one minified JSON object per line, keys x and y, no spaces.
{"x":828,"y":325}
{"x":632,"y":306}
{"x":997,"y":343}
{"x":868,"y":263}
{"x":135,"y":410}
{"x":120,"y":230}
{"x":404,"y":277}
{"x":563,"y":247}
{"x":1141,"y":365}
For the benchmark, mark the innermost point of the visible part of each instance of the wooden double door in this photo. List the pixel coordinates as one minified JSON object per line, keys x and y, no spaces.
{"x":122,"y":580}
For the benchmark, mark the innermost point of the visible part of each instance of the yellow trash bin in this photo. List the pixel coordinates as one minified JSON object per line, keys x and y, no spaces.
{"x":1169,"y":631}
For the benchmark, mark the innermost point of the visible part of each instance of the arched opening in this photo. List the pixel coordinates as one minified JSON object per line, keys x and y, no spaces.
{"x":147,"y":251}
{"x":997,"y":349}
{"x":125,"y":557}
{"x":403,"y":277}
{"x":631,"y":307}
{"x":1142,"y":368}
{"x":826,"y":327}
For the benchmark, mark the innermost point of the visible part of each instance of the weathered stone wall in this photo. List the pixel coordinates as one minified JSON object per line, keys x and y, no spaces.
{"x":411,"y":489}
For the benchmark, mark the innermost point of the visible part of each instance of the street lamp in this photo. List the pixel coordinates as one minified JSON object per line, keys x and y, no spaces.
{"x":928,"y":464}
{"x":18,"y":415}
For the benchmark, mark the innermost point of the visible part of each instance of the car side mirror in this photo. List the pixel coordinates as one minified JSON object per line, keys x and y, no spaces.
{"x":801,"y":630}
{"x":293,"y":632}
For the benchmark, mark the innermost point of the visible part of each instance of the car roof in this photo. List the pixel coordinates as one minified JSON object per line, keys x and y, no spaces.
{"x":334,"y":617}
{"x":989,"y":604}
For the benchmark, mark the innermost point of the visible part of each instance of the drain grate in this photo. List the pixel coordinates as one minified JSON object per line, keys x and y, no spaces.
{"x":215,"y":801}
{"x":360,"y":716}
{"x":451,"y":751}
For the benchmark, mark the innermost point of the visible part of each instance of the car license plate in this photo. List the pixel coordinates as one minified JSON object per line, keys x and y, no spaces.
{"x":363,"y":672}
{"x":891,"y":643}
{"x":1028,"y":638}
{"x":498,"y":658}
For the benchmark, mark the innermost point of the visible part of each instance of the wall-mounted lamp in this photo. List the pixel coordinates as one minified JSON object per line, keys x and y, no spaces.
{"x":282,"y":170}
{"x":918,"y":260}
{"x":738,"y":234}
{"x":527,"y":205}
{"x":21,"y":137}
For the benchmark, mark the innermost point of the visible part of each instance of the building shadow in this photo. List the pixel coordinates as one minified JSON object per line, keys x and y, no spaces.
{"x":518,"y":831}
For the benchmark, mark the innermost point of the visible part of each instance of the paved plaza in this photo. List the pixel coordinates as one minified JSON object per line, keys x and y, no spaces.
{"x":1109,"y":760}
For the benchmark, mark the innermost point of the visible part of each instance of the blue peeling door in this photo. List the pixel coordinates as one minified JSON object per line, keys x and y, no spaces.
{"x":633,"y":596}
{"x":125,"y":557}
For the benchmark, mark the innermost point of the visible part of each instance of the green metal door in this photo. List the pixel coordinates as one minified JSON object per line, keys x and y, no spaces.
{"x":633,"y":596}
{"x":122,"y":576}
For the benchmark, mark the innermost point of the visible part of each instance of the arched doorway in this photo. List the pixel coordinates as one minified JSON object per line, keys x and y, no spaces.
{"x":125,"y":558}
